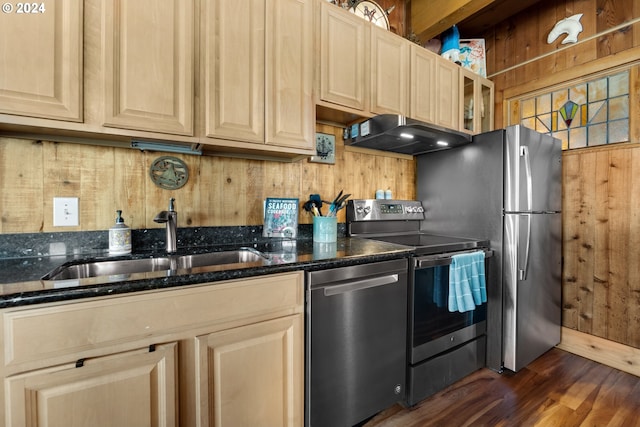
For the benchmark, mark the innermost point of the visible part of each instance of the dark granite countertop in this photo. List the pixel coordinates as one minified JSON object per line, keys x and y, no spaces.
{"x":21,"y":283}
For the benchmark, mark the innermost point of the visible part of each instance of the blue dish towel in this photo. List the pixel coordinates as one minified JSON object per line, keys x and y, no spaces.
{"x":467,"y":284}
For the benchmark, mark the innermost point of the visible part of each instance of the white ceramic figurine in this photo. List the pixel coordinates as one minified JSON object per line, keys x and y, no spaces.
{"x":570,"y":26}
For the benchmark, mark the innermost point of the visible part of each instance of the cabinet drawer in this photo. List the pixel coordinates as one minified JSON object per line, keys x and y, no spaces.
{"x":78,"y":328}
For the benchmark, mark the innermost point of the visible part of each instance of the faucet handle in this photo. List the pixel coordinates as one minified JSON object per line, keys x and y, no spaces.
{"x":171,"y":208}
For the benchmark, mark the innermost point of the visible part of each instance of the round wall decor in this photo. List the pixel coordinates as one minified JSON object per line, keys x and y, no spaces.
{"x":169,"y":172}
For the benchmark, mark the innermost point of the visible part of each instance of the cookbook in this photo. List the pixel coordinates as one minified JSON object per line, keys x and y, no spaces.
{"x":280,"y":217}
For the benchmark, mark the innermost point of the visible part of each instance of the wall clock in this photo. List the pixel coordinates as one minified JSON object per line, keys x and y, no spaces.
{"x":325,"y":148}
{"x":372,"y":12}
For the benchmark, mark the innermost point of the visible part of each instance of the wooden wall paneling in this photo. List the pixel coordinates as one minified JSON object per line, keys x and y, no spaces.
{"x":620,"y":171}
{"x":232,"y":209}
{"x":601,"y":246}
{"x":601,"y":275}
{"x":530,"y":44}
{"x":212,"y":195}
{"x":579,"y":239}
{"x":547,"y":18}
{"x":190,"y":199}
{"x":98,"y":181}
{"x":310,"y":175}
{"x":75,"y":170}
{"x":129,"y":187}
{"x":610,"y":14}
{"x":201,"y":195}
{"x":220,"y":192}
{"x":586,"y":223}
{"x":633,"y":331}
{"x":580,"y":53}
{"x":571,"y":240}
{"x":254,"y":197}
{"x":405,"y":179}
{"x":21,"y":178}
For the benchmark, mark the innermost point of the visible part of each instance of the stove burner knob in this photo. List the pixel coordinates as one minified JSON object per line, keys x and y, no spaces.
{"x":367,"y":209}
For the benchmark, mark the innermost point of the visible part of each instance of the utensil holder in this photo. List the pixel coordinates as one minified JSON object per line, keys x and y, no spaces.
{"x":325,"y":229}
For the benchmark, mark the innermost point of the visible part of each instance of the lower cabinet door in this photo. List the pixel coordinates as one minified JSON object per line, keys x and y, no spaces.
{"x":252,"y":375}
{"x":136,"y":388}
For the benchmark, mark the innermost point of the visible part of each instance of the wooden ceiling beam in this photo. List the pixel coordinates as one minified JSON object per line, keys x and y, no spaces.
{"x":432,"y":17}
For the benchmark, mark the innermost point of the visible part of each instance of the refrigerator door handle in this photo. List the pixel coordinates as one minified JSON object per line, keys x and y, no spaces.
{"x":524,"y":152}
{"x":522,"y":272}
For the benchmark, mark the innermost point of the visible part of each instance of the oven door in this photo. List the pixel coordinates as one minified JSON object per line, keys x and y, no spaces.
{"x":433,"y":328}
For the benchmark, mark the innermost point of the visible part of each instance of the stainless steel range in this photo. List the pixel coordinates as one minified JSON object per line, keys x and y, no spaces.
{"x":443,"y":345}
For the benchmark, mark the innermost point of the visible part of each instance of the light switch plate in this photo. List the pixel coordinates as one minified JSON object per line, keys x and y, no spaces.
{"x":65,"y":211}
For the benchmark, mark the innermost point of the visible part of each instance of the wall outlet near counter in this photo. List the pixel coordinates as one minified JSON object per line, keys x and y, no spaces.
{"x":65,"y":212}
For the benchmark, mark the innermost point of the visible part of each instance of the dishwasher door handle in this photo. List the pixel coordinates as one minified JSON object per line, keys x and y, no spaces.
{"x":357,"y":285}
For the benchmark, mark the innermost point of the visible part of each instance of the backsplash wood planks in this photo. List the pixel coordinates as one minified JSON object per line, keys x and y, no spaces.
{"x":221,"y":191}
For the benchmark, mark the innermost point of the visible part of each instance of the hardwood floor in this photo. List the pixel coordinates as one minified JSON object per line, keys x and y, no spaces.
{"x":558,"y":389}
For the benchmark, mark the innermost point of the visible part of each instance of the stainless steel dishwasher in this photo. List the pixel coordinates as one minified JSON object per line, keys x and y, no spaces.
{"x":356,"y":342}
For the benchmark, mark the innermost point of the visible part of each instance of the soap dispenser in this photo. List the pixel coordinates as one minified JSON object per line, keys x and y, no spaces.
{"x":119,"y":237}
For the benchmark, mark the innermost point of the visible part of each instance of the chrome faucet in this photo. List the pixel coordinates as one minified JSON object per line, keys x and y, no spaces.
{"x":170,"y":217}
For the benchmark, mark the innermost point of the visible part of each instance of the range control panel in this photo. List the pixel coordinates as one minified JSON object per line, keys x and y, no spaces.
{"x":384,"y":210}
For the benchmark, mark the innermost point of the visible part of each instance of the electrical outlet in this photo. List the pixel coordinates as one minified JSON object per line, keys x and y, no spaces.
{"x":65,"y":211}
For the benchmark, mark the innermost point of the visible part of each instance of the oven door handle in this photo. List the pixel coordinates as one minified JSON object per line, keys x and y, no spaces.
{"x":358,"y":285}
{"x":442,"y":259}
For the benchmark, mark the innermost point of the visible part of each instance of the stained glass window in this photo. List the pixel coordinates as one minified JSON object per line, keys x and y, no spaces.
{"x":583,"y":115}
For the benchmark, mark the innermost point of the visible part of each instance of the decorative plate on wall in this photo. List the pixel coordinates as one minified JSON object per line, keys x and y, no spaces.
{"x":169,"y":172}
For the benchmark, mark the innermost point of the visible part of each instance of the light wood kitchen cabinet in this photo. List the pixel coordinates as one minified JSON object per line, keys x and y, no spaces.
{"x":233,"y":375}
{"x":41,"y":59}
{"x":476,"y":112}
{"x":435,"y":89}
{"x":447,"y":93}
{"x":343,"y":59}
{"x":148,"y":59}
{"x":362,"y":68}
{"x":365,"y":70}
{"x":182,"y":356}
{"x":423,"y":84}
{"x":258,"y":72}
{"x":136,"y":388}
{"x":389,"y":72}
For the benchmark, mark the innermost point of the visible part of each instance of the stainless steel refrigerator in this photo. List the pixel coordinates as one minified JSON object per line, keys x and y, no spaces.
{"x":505,"y":186}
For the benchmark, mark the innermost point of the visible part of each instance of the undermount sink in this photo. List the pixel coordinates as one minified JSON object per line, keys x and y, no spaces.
{"x":82,"y":270}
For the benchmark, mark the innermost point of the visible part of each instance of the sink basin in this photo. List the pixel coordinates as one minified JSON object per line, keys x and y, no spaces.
{"x":218,"y":258}
{"x":87,"y":269}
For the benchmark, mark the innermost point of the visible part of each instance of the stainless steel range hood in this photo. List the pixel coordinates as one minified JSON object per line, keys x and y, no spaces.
{"x":400,"y":134}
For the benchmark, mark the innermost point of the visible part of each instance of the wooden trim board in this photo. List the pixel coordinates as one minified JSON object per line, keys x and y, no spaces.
{"x":610,"y":353}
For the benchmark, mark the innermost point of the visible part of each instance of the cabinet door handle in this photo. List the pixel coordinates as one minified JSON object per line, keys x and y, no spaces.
{"x":357,"y":285}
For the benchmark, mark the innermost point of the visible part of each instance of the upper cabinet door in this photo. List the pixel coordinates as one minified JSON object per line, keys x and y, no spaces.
{"x":389,"y":72}
{"x":422,"y":84}
{"x":41,"y":59}
{"x":477,"y":102}
{"x":343,"y":47}
{"x":234,"y":62}
{"x":447,"y":90}
{"x":290,"y":109}
{"x":148,"y":59}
